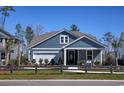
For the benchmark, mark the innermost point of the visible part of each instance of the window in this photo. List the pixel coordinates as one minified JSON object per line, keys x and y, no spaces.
{"x":1,"y":40}
{"x":3,"y":55}
{"x":89,"y":54}
{"x":64,"y":39}
{"x":12,"y":51}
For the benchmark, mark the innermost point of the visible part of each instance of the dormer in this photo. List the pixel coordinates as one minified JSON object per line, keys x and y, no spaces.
{"x":64,"y":39}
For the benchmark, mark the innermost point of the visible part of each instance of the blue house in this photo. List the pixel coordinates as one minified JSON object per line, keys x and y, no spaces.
{"x":121,"y":50}
{"x":4,"y":36}
{"x":71,"y":46}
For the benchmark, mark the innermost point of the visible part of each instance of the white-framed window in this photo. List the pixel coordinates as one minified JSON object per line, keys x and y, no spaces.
{"x":64,"y":39}
{"x":1,"y":40}
{"x":89,"y":54}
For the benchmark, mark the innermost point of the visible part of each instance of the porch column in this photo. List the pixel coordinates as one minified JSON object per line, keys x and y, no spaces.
{"x":29,"y":54}
{"x":101,"y":56}
{"x":0,"y":59}
{"x":65,"y":57}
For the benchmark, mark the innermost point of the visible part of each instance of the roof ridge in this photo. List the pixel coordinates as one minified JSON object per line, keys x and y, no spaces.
{"x":6,"y":32}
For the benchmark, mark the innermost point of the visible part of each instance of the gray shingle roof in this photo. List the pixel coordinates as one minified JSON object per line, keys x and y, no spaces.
{"x":79,"y":34}
{"x":5,"y":34}
{"x":41,"y":38}
{"x":37,"y":39}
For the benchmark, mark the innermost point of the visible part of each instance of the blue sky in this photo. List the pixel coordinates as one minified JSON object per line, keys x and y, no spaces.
{"x":92,"y":20}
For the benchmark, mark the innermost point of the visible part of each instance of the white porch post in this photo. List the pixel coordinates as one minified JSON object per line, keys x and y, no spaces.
{"x":65,"y":57}
{"x":29,"y":55}
{"x":0,"y":59}
{"x":101,"y":56}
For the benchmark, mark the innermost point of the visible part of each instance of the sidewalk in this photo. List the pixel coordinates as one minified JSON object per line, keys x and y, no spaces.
{"x":105,"y":72}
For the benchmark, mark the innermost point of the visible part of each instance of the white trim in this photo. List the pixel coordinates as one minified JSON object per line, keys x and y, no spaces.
{"x":63,"y":39}
{"x":4,"y":42}
{"x":45,"y":52}
{"x":86,"y":48}
{"x":29,"y":56}
{"x":47,"y":38}
{"x":65,"y":57}
{"x":46,"y":48}
{"x":101,"y":56}
{"x":81,"y":38}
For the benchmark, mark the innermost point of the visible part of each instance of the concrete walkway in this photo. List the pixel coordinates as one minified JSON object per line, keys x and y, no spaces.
{"x":105,"y":72}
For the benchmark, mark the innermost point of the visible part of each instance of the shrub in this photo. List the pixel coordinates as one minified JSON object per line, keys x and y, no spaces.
{"x":46,"y":61}
{"x":24,"y":60}
{"x":33,"y":61}
{"x":52,"y":62}
{"x":81,"y":62}
{"x":3,"y":62}
{"x":40,"y":61}
{"x":109,"y":60}
{"x":13,"y":62}
{"x":97,"y":63}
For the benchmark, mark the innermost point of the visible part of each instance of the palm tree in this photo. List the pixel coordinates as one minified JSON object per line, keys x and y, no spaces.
{"x":29,"y":34}
{"x":5,"y":12}
{"x":116,"y":44}
{"x":10,"y":43}
{"x":20,"y":37}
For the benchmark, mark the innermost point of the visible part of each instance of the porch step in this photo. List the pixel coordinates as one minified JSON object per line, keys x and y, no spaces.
{"x":73,"y":68}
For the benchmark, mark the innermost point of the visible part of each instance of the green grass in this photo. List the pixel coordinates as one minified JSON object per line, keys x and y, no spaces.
{"x":54,"y":74}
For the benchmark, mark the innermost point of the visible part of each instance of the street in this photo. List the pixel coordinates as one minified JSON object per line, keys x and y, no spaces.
{"x":61,"y":82}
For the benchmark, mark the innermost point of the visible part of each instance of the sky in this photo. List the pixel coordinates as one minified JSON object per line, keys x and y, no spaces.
{"x":92,"y":20}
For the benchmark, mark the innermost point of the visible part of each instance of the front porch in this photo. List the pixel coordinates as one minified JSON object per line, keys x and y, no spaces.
{"x":73,"y":56}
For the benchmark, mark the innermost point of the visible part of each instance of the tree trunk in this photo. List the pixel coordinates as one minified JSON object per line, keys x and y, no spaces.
{"x":7,"y":57}
{"x":19,"y":55}
{"x":4,"y":22}
{"x":116,"y":58}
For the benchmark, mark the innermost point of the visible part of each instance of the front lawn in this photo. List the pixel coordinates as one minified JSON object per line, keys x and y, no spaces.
{"x":54,"y":74}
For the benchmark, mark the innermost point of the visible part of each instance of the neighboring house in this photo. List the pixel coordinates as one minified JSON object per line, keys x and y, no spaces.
{"x":121,"y":50}
{"x":4,"y":35}
{"x":71,"y":46}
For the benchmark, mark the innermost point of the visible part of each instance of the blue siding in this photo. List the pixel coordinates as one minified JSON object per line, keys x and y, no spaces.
{"x":85,"y":43}
{"x":82,"y":55}
{"x":121,"y":51}
{"x":54,"y":42}
{"x":96,"y":55}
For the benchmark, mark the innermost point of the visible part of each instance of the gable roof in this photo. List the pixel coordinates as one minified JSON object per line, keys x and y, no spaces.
{"x":46,"y":36}
{"x":87,"y":38}
{"x":80,"y":34}
{"x":41,"y":38}
{"x":5,"y":34}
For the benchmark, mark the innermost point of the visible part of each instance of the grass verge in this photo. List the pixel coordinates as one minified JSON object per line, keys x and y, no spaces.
{"x":54,"y":74}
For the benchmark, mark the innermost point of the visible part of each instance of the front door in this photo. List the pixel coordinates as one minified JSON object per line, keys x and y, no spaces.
{"x":71,"y":57}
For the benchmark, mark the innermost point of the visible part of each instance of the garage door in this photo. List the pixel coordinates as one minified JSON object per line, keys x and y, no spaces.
{"x":43,"y":56}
